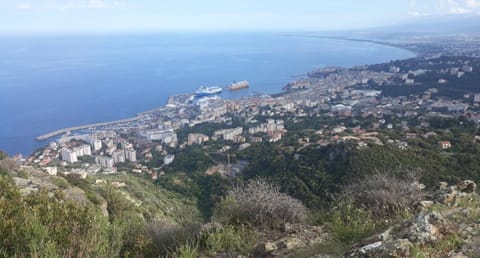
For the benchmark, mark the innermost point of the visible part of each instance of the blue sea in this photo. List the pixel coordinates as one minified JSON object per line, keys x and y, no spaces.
{"x":49,"y":83}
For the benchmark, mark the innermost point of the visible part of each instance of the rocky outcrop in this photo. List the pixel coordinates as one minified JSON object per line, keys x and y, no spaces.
{"x":30,"y":180}
{"x":447,"y":225}
{"x":453,"y":195}
{"x":296,"y":237}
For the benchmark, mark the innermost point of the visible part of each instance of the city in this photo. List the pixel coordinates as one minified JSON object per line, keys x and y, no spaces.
{"x":365,"y":92}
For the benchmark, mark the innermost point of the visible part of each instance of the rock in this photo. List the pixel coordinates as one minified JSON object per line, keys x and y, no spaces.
{"x":426,"y":204}
{"x":418,"y":185}
{"x":423,"y":206}
{"x":369,"y":248}
{"x":428,"y":228}
{"x":472,"y":247}
{"x":398,"y":248}
{"x":298,"y":236}
{"x":442,"y":185}
{"x":454,"y":225}
{"x":457,"y":255}
{"x":395,"y":248}
{"x":291,"y":243}
{"x":454,"y":194}
{"x":28,"y":190}
{"x":467,"y":186}
{"x":21,"y":182}
{"x":264,"y":250}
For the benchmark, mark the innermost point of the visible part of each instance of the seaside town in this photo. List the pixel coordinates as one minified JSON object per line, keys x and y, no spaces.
{"x":401,"y":96}
{"x":235,"y":129}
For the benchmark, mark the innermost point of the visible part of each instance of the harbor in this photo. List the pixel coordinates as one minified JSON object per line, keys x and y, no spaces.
{"x":202,"y":92}
{"x":76,"y":128}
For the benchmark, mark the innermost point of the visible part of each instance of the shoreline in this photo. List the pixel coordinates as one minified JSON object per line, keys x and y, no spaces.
{"x":372,"y":41}
{"x":52,"y":134}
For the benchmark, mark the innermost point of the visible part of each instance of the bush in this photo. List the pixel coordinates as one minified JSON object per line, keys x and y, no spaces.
{"x":167,"y":240}
{"x":8,"y":165}
{"x":118,"y":206}
{"x":42,"y":225}
{"x":350,"y":224}
{"x":384,"y":195}
{"x":259,"y":204}
{"x":371,"y":204}
{"x":230,"y":239}
{"x":189,"y":250}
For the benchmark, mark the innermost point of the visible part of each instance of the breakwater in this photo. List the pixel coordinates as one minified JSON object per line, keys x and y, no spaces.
{"x":66,"y":130}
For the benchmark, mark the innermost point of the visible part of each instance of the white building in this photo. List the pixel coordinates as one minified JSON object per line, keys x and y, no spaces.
{"x":228,"y":134}
{"x":131,"y":155}
{"x":197,"y":138}
{"x":269,"y":127}
{"x":109,"y":143}
{"x":83,"y":150}
{"x":69,"y":155}
{"x":168,"y":159}
{"x":126,"y":145}
{"x":168,"y":137}
{"x":476,"y":98}
{"x":244,"y":146}
{"x":104,"y":162}
{"x":96,"y":145}
{"x":118,"y":156}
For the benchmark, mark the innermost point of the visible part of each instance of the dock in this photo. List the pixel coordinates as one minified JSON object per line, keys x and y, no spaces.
{"x":66,"y":130}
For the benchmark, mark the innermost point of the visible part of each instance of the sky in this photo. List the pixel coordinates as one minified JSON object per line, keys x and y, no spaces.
{"x":92,"y":16}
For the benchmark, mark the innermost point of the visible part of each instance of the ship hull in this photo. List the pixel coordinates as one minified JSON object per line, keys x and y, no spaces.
{"x":205,"y":94}
{"x":207,"y":91}
{"x":239,"y":85}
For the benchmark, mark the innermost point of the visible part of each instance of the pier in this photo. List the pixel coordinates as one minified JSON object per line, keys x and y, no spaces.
{"x":66,"y":130}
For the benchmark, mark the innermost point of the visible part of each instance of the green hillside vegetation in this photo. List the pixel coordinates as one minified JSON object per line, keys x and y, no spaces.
{"x":153,"y":202}
{"x":315,"y":173}
{"x":66,"y":216}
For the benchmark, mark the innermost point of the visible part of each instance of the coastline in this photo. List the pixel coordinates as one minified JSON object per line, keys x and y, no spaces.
{"x":372,"y":41}
{"x":58,"y":132}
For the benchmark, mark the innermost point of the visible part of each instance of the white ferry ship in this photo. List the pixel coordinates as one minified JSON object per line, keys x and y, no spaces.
{"x":207,"y":91}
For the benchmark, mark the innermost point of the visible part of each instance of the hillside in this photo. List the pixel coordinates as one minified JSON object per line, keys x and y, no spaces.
{"x":101,"y":216}
{"x":371,"y":215}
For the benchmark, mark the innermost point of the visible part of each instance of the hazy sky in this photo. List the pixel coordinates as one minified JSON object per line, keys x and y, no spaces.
{"x":83,"y":16}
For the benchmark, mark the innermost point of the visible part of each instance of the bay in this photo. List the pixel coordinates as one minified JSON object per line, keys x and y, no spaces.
{"x":49,"y":83}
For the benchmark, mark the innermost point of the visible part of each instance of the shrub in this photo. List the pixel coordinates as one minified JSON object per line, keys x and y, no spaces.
{"x":45,"y":225}
{"x":8,"y":165}
{"x":78,"y":181}
{"x":60,"y":182}
{"x":350,"y":224}
{"x":260,"y":204}
{"x":23,"y":174}
{"x":189,"y":250}
{"x":118,"y":206}
{"x":167,"y":239}
{"x":384,"y":195}
{"x":229,"y":238}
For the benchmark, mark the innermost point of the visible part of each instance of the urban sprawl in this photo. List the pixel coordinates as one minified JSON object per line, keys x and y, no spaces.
{"x":396,"y":96}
